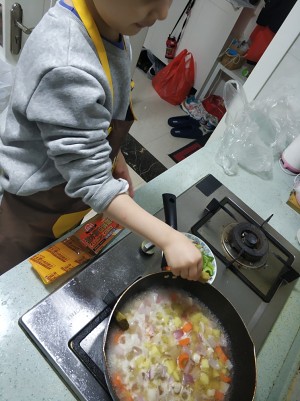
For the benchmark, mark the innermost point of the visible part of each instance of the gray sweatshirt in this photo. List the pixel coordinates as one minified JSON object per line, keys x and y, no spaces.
{"x":55,"y":127}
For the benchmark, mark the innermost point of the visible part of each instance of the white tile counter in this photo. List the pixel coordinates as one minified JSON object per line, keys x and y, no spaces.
{"x":26,"y":376}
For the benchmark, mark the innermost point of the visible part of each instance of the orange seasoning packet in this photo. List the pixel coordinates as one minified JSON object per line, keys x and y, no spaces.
{"x":84,"y":244}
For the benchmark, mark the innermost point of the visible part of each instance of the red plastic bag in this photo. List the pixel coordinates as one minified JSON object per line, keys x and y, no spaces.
{"x":260,"y":39}
{"x":214,"y":105}
{"x":174,"y":82}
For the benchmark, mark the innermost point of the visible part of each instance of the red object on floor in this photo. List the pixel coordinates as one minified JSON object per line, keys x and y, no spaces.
{"x":186,"y":151}
{"x":214,"y":105}
{"x":260,"y":38}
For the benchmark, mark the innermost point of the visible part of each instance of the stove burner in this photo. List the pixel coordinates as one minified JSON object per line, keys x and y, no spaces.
{"x":250,"y":240}
{"x":246,"y":243}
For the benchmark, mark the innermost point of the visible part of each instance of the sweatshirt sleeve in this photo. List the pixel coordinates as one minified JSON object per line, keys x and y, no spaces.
{"x":71,"y":109}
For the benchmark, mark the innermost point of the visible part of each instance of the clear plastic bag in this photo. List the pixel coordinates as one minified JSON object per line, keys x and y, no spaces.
{"x":6,"y":81}
{"x":256,"y":133}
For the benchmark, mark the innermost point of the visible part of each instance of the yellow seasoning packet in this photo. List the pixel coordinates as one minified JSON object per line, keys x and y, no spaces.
{"x":83,"y":245}
{"x":292,"y":201}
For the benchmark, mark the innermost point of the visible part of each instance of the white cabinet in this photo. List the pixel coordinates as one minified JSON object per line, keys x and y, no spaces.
{"x":205,"y":35}
{"x":214,"y":83}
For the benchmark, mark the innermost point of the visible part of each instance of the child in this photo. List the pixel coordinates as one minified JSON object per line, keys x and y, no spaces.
{"x":61,"y":133}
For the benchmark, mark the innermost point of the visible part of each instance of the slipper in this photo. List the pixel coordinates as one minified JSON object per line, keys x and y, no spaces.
{"x":191,"y":132}
{"x":182,"y":121}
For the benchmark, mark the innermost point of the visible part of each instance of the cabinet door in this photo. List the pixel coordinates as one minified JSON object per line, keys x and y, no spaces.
{"x":206,"y":33}
{"x":32,"y":13}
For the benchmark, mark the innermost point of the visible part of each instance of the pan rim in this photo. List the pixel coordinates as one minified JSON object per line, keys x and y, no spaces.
{"x":168,"y":275}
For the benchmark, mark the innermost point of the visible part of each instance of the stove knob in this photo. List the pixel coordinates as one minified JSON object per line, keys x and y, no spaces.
{"x":147,"y":247}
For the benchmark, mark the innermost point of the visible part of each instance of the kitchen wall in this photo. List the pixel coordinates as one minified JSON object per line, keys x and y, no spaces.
{"x":210,"y":25}
{"x":208,"y":28}
{"x":286,"y":76}
{"x":246,"y":22}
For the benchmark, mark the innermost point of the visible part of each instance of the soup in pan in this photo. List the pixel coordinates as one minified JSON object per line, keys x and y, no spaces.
{"x":174,"y":349}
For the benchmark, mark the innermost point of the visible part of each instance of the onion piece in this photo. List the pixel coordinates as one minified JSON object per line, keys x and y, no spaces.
{"x":178,"y":334}
{"x":176,"y":387}
{"x":157,"y":372}
{"x":204,"y":340}
{"x":223,"y":341}
{"x":188,"y":366}
{"x":187,"y":379}
{"x":210,"y":392}
{"x":214,"y":364}
{"x":201,"y":349}
{"x":228,"y":364}
{"x":211,"y":341}
{"x":196,"y":358}
{"x":137,"y":350}
{"x":224,"y":387}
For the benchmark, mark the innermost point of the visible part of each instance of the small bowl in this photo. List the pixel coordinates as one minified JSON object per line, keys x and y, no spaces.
{"x":205,"y":249}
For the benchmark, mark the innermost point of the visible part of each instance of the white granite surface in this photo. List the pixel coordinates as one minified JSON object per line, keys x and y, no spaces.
{"x":26,"y":376}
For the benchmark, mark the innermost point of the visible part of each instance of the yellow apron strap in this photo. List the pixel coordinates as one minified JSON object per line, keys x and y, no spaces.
{"x":90,"y":25}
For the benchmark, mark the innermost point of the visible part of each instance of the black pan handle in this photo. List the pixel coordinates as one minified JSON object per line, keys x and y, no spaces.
{"x":169,"y":201}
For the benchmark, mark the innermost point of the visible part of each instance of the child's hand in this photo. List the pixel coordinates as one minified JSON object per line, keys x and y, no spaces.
{"x":183,"y":257}
{"x":181,"y":254}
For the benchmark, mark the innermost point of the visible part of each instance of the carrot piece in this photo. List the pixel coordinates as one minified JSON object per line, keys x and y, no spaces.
{"x":222,"y":356}
{"x":174,"y":296}
{"x":184,"y":341}
{"x":117,"y":336}
{"x":183,"y":360}
{"x":118,"y":384}
{"x":219,"y":396}
{"x":187,"y":327}
{"x":225,"y":378}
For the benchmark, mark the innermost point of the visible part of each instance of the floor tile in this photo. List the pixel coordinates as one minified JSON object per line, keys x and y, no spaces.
{"x":151,"y":129}
{"x":141,"y":160}
{"x":164,"y":145}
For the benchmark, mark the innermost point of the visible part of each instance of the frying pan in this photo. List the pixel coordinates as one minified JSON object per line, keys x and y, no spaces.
{"x":242,"y":348}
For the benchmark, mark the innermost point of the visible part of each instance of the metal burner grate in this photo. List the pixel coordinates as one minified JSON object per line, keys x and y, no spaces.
{"x":92,"y":360}
{"x":274,"y":268}
{"x":234,"y":255}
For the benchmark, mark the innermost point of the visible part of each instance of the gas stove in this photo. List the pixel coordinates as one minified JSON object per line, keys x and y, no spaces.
{"x":256,"y":272}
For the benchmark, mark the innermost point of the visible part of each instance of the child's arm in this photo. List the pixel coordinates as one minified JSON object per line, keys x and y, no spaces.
{"x":182,"y":256}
